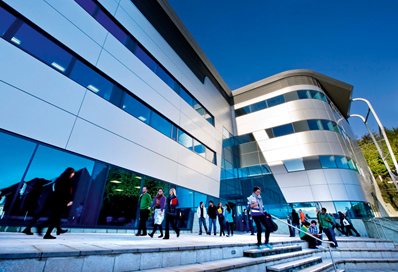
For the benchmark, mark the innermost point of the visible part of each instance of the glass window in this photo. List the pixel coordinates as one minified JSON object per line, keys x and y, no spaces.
{"x":270,"y":133}
{"x":42,"y":48}
{"x":88,"y":5}
{"x":291,"y":96}
{"x":209,"y":118}
{"x":199,"y":148}
{"x":15,"y":154}
{"x":161,"y":124}
{"x":6,"y":20}
{"x":351,"y":164}
{"x":294,"y":165}
{"x":186,"y":96}
{"x":300,"y":126}
{"x":311,"y":163}
{"x":315,"y":124}
{"x":258,"y":106}
{"x":323,"y":97}
{"x":242,"y":111}
{"x":131,"y":44}
{"x":275,"y":101}
{"x":283,"y":130}
{"x":342,"y":162}
{"x":304,"y":94}
{"x":210,"y":155}
{"x":111,"y":26}
{"x":163,"y":75}
{"x":184,"y":139}
{"x":87,"y":77}
{"x":117,"y":96}
{"x":142,"y":55}
{"x":136,"y":108}
{"x":327,"y":161}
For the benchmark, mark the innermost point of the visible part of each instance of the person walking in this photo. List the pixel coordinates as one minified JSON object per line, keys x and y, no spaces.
{"x":229,"y":220}
{"x":326,"y":222}
{"x":201,"y":213}
{"x":60,"y":199}
{"x":221,"y":219}
{"x":212,"y":213}
{"x":158,"y":204}
{"x":259,"y":216}
{"x":171,"y":213}
{"x":144,"y":201}
{"x":295,"y":221}
{"x":349,"y":227}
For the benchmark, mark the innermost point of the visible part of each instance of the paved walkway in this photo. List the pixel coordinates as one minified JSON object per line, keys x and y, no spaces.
{"x":13,"y":244}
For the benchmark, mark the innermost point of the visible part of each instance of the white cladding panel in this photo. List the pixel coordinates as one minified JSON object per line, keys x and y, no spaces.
{"x":34,"y":118}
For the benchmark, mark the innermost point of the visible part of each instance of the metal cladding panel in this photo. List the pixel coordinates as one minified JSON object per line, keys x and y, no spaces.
{"x":126,"y":126}
{"x":96,"y":142}
{"x":317,"y":177}
{"x":321,"y":192}
{"x":67,"y":22}
{"x":34,"y":118}
{"x":38,"y":79}
{"x":298,"y":194}
{"x":339,"y":192}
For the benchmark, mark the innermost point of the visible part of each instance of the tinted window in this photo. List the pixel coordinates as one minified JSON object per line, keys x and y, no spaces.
{"x":304,"y":94}
{"x":283,"y":130}
{"x":42,"y":48}
{"x":163,"y":75}
{"x":315,"y":124}
{"x":342,"y":162}
{"x":291,"y":96}
{"x":199,"y":148}
{"x":275,"y":101}
{"x":88,"y":5}
{"x":351,"y":164}
{"x":294,"y":165}
{"x":136,"y":108}
{"x":187,"y":97}
{"x":210,"y":156}
{"x":242,"y":111}
{"x":300,"y":126}
{"x":184,"y":139}
{"x":258,"y":106}
{"x":312,"y":163}
{"x":327,"y":161}
{"x":6,"y":19}
{"x":145,"y":58}
{"x":92,"y":80}
{"x":161,"y":124}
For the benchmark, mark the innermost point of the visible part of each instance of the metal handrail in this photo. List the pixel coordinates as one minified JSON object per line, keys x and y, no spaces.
{"x":309,"y":234}
{"x":379,"y":222}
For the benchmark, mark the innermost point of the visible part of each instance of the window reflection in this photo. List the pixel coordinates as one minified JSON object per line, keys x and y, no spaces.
{"x":184,"y":139}
{"x":161,"y":124}
{"x":6,"y":20}
{"x":136,"y":108}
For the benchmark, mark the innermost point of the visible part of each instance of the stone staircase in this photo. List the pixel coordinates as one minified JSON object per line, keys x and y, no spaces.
{"x":353,"y":254}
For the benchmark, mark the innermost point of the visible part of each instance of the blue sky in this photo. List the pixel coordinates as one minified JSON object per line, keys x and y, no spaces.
{"x":353,"y":41}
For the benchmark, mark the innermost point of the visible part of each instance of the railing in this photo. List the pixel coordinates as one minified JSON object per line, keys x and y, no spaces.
{"x":381,"y":228}
{"x":309,"y":234}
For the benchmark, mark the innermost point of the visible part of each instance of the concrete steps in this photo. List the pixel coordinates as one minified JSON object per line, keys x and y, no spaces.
{"x":294,"y":265}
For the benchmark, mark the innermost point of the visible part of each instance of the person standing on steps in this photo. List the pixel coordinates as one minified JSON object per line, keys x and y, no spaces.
{"x":158,"y":204}
{"x":202,"y":214}
{"x":229,"y":220}
{"x":221,"y":219}
{"x":212,"y":213}
{"x":144,"y":201}
{"x":171,"y":213}
{"x":295,"y":221}
{"x":60,"y":199}
{"x":326,"y":222}
{"x":259,"y":216}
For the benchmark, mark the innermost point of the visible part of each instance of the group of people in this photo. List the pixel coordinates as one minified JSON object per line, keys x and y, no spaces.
{"x":225,"y":218}
{"x":162,"y":207}
{"x":327,"y":225}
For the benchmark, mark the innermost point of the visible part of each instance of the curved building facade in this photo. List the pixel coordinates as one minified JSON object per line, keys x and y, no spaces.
{"x":119,"y":91}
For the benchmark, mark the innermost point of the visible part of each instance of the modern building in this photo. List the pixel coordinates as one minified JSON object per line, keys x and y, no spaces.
{"x":119,"y":91}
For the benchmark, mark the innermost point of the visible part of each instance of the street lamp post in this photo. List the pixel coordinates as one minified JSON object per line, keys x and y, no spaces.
{"x":381,"y":128}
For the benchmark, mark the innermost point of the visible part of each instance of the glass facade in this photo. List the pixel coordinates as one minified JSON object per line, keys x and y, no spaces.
{"x":104,"y":195}
{"x":43,"y":47}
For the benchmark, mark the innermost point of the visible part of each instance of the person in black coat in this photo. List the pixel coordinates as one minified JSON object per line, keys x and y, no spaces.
{"x":295,"y":221}
{"x":60,"y":199}
{"x":171,"y":214}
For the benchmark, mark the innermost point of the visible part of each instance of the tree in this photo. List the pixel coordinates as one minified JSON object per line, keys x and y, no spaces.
{"x":377,"y":166}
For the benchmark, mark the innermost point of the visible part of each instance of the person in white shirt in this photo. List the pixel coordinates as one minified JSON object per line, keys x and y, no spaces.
{"x":202,"y":215}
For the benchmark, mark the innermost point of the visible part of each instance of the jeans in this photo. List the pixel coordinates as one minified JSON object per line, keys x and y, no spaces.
{"x":212,"y":222}
{"x":202,"y":221}
{"x":331,"y":235}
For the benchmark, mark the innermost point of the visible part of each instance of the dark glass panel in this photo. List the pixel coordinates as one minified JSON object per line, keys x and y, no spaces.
{"x":161,"y":124}
{"x":117,"y":96}
{"x":6,"y":20}
{"x":283,"y":130}
{"x":327,"y":125}
{"x":92,"y":80}
{"x":145,"y":58}
{"x":291,"y":96}
{"x":42,"y":48}
{"x":300,"y":126}
{"x":327,"y":161}
{"x":275,"y":101}
{"x":342,"y":162}
{"x":131,"y":44}
{"x":311,"y":163}
{"x":304,"y":94}
{"x":258,"y":106}
{"x":163,"y":75}
{"x":315,"y":124}
{"x":111,"y":26}
{"x":270,"y":133}
{"x":88,"y":5}
{"x":242,"y":111}
{"x":187,"y":97}
{"x":136,"y":108}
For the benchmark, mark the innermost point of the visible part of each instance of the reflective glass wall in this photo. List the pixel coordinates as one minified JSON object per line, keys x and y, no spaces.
{"x":104,"y":196}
